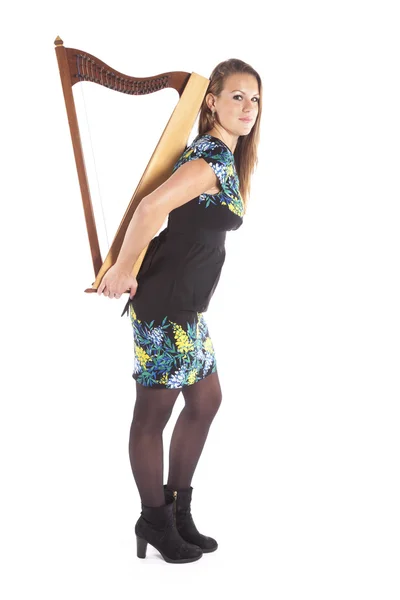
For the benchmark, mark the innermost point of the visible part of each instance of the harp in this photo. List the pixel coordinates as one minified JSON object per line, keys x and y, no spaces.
{"x":77,"y":66}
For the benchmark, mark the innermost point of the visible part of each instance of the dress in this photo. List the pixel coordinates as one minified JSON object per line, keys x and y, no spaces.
{"x":178,"y":276}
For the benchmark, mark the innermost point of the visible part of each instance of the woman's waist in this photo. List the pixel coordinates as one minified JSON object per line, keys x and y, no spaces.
{"x":202,"y":235}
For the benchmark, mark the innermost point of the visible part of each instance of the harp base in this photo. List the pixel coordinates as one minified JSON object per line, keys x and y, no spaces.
{"x":94,"y":290}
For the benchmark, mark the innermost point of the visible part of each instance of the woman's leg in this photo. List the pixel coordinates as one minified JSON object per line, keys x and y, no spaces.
{"x":153,"y":408}
{"x":202,"y":401}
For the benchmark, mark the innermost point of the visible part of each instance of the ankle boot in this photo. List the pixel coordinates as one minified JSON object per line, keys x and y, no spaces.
{"x":184,"y":520}
{"x":156,"y":526}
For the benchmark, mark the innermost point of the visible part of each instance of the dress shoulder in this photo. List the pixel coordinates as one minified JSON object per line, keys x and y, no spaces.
{"x":222,"y":161}
{"x":213,"y":151}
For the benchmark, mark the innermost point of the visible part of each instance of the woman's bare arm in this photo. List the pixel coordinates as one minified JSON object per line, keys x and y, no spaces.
{"x":189,"y":181}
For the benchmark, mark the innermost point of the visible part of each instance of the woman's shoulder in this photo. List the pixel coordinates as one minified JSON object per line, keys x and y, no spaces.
{"x":208,"y":144}
{"x":208,"y":147}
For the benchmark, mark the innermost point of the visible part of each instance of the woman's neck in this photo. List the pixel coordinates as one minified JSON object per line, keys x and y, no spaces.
{"x":228,"y":139}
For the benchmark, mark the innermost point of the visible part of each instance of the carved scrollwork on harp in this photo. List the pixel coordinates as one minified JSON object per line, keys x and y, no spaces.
{"x":77,"y":66}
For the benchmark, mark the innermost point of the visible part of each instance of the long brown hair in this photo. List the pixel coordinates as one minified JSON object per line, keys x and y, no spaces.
{"x":246,"y":148}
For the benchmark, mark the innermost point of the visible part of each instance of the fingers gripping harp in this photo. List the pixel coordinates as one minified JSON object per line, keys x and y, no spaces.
{"x":77,"y":66}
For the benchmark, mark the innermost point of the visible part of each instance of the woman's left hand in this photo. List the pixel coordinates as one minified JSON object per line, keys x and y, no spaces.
{"x":117,"y":281}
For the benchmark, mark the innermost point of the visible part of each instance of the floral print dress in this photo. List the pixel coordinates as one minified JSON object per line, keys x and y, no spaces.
{"x":178,"y":276}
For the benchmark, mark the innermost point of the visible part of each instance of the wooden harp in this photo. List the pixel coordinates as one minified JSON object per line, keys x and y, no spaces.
{"x":77,"y":66}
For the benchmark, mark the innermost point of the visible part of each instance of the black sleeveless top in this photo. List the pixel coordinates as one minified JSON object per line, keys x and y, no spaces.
{"x":183,"y":263}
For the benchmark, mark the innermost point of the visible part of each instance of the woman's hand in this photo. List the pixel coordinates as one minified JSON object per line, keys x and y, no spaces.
{"x":117,"y":281}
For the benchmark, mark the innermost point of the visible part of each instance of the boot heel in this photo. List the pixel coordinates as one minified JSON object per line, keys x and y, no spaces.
{"x":141,"y":545}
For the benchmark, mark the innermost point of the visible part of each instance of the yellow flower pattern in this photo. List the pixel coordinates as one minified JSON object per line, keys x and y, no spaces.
{"x":182,"y":341}
{"x":164,"y":379}
{"x":170,"y":354}
{"x":192,"y":377}
{"x":208,"y":345}
{"x":142,"y":356}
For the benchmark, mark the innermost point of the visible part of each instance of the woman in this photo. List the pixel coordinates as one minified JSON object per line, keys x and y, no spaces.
{"x":177,"y":278}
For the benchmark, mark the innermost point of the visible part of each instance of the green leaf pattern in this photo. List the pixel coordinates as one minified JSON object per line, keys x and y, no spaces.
{"x":222,"y":161}
{"x":169,"y":354}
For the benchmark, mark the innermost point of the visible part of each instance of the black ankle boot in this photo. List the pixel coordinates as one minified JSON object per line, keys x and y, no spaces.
{"x":184,"y":520}
{"x":156,"y":526}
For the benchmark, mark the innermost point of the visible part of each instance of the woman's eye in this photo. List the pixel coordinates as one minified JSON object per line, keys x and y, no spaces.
{"x":240,"y":97}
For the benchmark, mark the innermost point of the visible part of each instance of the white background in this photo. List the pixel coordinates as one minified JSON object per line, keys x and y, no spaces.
{"x":299,"y":478}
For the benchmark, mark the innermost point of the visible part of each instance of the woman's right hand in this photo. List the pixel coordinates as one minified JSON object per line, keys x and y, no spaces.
{"x":116,"y":281}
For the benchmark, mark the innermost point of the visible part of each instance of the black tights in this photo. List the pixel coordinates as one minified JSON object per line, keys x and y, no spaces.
{"x":153,"y":408}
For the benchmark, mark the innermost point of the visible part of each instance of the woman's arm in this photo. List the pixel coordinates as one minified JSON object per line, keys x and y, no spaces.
{"x":189,"y":181}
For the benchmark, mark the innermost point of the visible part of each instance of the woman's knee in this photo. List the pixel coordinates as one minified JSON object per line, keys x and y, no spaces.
{"x":152,"y":410}
{"x":149,"y":421}
{"x":204,"y":404}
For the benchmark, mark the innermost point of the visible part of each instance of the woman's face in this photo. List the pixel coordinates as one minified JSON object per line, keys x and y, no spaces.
{"x":237,"y":105}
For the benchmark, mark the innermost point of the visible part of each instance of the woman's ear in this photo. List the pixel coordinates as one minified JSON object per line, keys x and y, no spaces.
{"x":210,"y":101}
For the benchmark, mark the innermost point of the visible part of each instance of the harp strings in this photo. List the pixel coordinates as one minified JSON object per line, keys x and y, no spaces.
{"x":88,"y":69}
{"x":93,"y":158}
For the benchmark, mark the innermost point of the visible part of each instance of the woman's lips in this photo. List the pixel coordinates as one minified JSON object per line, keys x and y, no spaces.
{"x":246,"y":120}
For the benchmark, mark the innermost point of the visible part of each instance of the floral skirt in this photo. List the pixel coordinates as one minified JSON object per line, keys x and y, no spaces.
{"x":173,"y":352}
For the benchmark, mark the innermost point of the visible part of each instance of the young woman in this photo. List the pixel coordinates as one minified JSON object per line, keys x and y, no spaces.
{"x":203,"y":199}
